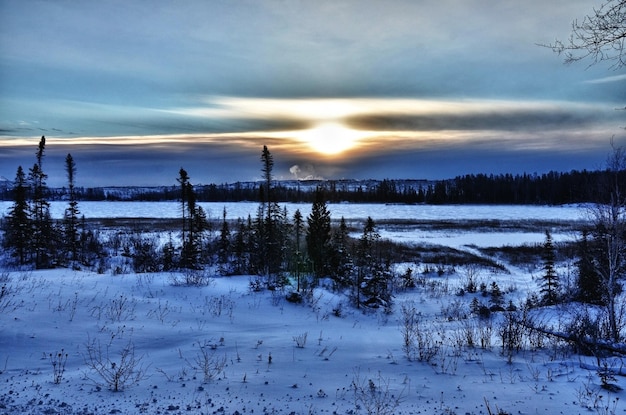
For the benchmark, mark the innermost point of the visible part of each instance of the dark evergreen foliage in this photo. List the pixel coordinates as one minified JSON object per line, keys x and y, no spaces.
{"x":373,"y":275}
{"x":71,"y":221}
{"x":224,"y":248}
{"x":550,"y":279}
{"x":194,"y":225}
{"x":341,"y":262}
{"x":588,"y":282}
{"x":43,"y":237}
{"x":299,"y":260}
{"x":553,"y":188}
{"x":17,"y":227}
{"x":318,"y":235}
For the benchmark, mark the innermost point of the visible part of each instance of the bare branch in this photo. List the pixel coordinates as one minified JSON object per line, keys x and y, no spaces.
{"x":598,"y":37}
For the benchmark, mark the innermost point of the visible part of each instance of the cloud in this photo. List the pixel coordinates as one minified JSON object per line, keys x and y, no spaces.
{"x":304,"y":172}
{"x":206,"y":84}
{"x":607,"y":79}
{"x":489,"y":119}
{"x":295,"y":170}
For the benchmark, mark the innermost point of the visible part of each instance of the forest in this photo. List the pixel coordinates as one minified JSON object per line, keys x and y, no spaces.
{"x":552,"y":188}
{"x":276,"y":246}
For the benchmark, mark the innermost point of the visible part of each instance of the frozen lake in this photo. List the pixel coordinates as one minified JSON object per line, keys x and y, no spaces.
{"x":378,"y":212}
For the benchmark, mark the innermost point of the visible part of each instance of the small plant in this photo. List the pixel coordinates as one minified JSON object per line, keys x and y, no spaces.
{"x":300,"y":340}
{"x":496,"y":411}
{"x":511,"y":334}
{"x":58,"y":361}
{"x":8,"y":294}
{"x":375,"y":395}
{"x":207,"y":362}
{"x":191,"y":278}
{"x":120,"y":309}
{"x":73,"y":306}
{"x":116,"y":375}
{"x":419,"y":342}
{"x":338,"y":309}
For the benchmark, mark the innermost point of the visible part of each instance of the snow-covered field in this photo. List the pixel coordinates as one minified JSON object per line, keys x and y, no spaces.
{"x":223,"y":349}
{"x":349,"y":211}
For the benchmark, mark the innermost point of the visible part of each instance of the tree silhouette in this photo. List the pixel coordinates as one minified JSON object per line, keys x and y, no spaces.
{"x":17,"y":238}
{"x":318,"y":234}
{"x":550,"y":279}
{"x":71,"y":240}
{"x":42,"y":233}
{"x":598,"y":37}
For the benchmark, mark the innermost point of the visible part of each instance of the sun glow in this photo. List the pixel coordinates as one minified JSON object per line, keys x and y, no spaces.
{"x":331,"y":138}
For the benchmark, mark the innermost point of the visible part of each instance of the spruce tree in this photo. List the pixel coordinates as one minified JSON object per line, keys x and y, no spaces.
{"x":224,"y":247}
{"x":268,"y":165}
{"x":367,"y":281}
{"x":183,"y":180}
{"x":342,"y":266}
{"x":169,"y":255}
{"x":550,"y":279}
{"x":42,"y":230}
{"x":18,"y":228}
{"x":497,"y":297}
{"x":194,"y":224}
{"x":270,"y":228}
{"x":71,"y":224}
{"x":318,"y":235}
{"x":588,"y":282}
{"x":298,"y":227}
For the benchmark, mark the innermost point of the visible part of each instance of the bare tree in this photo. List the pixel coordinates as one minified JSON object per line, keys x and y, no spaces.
{"x":599,"y":36}
{"x":609,"y":219}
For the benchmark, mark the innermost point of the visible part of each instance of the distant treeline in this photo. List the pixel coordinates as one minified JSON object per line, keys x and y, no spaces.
{"x":553,"y":188}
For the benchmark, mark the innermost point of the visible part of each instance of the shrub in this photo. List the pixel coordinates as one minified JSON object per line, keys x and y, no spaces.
{"x":207,"y":361}
{"x":58,"y":360}
{"x":375,"y":395}
{"x":300,"y":340}
{"x":116,"y":375}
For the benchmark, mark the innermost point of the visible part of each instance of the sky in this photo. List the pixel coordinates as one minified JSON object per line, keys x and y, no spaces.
{"x":357,"y":89}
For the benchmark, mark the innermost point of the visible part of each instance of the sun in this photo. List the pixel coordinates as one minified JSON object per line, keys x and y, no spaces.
{"x":331,"y":138}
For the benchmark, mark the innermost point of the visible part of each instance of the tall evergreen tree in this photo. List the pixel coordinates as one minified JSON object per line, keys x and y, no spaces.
{"x":224,"y":247}
{"x":367,"y":284}
{"x":71,"y":223}
{"x":550,"y":279}
{"x":42,"y":232}
{"x":270,"y":232}
{"x":18,"y":228}
{"x":318,"y":234}
{"x":194,"y":224}
{"x":192,"y":247}
{"x":242,"y":248}
{"x":342,"y":266}
{"x":183,"y":181}
{"x":588,"y":282}
{"x":268,"y":165}
{"x":169,"y":255}
{"x":298,"y":226}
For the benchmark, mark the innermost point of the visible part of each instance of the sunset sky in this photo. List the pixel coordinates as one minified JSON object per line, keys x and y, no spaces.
{"x":430,"y":89}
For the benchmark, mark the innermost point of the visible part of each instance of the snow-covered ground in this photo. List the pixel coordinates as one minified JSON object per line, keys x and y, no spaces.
{"x":223,"y":349}
{"x":349,"y":211}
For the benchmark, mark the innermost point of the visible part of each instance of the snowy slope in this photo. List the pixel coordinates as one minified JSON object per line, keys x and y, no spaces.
{"x":206,"y":350}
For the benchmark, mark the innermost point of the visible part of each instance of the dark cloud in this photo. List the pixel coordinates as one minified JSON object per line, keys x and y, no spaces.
{"x":506,"y":120}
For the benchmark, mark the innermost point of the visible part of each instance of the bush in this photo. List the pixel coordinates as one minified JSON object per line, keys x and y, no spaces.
{"x":191,"y":278}
{"x":115,"y":375}
{"x":294,"y":297}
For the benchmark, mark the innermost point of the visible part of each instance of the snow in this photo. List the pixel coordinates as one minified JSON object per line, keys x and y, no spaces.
{"x":175,"y":328}
{"x":378,"y":212}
